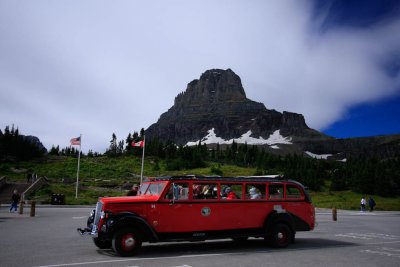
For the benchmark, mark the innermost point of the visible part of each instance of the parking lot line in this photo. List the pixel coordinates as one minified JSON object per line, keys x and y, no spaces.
{"x":136,"y":259}
{"x":379,"y":243}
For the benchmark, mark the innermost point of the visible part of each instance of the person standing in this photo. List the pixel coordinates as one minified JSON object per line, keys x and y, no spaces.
{"x":371,"y":204}
{"x":133,"y":191}
{"x":363,"y":204}
{"x":14,"y":200}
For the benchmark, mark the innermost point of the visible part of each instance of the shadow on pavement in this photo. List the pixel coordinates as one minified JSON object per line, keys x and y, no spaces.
{"x":227,"y":247}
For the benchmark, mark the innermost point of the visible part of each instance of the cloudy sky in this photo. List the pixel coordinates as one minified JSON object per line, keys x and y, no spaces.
{"x":97,"y":67}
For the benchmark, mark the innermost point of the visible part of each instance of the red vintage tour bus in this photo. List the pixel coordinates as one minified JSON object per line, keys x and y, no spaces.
{"x":196,"y":208}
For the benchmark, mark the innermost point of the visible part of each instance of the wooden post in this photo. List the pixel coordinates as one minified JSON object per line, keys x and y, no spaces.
{"x":21,"y":207}
{"x":33,"y":208}
{"x":334,"y":214}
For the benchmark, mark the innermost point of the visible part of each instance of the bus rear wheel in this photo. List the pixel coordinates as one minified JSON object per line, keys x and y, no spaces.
{"x":281,"y":236}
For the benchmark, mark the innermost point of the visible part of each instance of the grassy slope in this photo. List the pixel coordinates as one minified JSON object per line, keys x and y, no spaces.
{"x":351,"y":201}
{"x":104,"y":176}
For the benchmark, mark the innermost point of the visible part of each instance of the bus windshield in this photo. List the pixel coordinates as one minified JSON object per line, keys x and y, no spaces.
{"x":152,"y":188}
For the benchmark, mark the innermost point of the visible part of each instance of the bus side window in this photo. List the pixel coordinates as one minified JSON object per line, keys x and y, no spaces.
{"x":255,"y":191}
{"x":275,"y":191}
{"x":184,"y":192}
{"x":231,"y":191}
{"x":205,"y":191}
{"x":293,"y":192}
{"x":180,"y":191}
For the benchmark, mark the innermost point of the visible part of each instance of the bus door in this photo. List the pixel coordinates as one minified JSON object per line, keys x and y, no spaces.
{"x":174,"y":209}
{"x":295,"y":200}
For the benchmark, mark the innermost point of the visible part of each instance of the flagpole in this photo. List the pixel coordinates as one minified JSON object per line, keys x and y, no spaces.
{"x":77,"y":172}
{"x":141,"y":173}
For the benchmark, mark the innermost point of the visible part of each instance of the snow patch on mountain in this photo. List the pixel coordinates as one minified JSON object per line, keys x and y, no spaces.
{"x":316,"y":156}
{"x":273,"y":139}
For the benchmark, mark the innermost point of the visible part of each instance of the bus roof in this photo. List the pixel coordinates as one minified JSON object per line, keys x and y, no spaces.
{"x":264,"y":178}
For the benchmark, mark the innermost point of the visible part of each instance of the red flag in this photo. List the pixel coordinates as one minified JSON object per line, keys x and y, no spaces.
{"x":75,"y":141}
{"x":138,"y":144}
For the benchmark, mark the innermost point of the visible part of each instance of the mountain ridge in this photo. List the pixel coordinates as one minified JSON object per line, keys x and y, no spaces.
{"x":214,"y":109}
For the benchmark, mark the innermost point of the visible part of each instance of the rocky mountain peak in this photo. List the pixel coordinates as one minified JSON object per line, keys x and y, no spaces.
{"x":214,"y":86}
{"x":216,"y":104}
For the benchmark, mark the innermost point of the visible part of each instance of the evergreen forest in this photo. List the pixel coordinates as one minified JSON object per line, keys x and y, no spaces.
{"x":362,"y":175}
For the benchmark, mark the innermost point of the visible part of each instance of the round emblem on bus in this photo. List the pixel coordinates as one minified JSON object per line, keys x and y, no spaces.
{"x":206,"y":211}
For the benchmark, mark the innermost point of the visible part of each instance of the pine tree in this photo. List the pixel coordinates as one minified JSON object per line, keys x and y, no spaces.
{"x":112,"y":151}
{"x":128,"y":142}
{"x":120,"y":148}
{"x":53,"y":151}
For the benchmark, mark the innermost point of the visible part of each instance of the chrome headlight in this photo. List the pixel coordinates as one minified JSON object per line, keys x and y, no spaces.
{"x":105,"y":214}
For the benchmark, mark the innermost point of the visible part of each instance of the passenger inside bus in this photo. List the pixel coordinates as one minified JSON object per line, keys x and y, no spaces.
{"x":223,"y":191}
{"x":178,"y":192}
{"x":205,"y":191}
{"x":253,"y":194}
{"x":230,"y":194}
{"x":276,"y":191}
{"x":197,"y":189}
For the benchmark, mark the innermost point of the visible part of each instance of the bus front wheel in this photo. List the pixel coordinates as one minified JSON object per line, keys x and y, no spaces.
{"x":126,"y":242}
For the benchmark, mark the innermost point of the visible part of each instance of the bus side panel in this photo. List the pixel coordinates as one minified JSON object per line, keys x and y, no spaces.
{"x":302,"y":210}
{"x":255,"y":213}
{"x":201,"y":216}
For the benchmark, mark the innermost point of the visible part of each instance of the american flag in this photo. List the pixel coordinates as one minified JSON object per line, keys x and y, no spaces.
{"x":75,"y":141}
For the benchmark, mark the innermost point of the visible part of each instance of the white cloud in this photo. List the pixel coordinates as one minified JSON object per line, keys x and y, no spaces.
{"x":96,"y":68}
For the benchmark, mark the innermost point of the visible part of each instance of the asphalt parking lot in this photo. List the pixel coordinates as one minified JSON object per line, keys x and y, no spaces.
{"x":50,"y":239}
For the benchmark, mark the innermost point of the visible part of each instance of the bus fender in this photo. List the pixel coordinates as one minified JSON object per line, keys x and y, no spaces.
{"x":130,"y":220}
{"x":279,"y":217}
